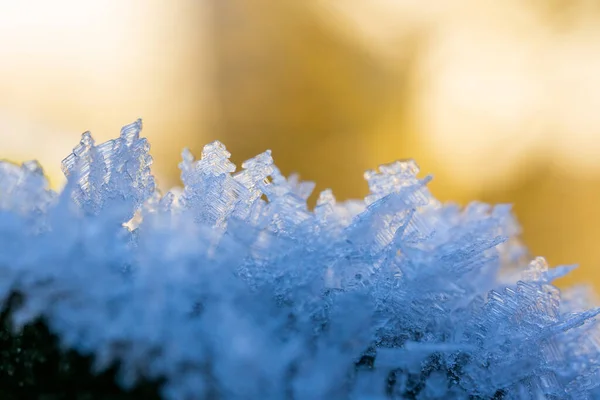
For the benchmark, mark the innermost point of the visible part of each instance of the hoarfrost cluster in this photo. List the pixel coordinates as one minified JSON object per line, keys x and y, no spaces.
{"x":233,"y":288}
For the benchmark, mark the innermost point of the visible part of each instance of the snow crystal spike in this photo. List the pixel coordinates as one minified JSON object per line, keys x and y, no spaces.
{"x":559,"y":272}
{"x":187,"y":156}
{"x":69,"y":163}
{"x":215,"y":148}
{"x":87,"y":140}
{"x":131,"y":132}
{"x":34,"y":167}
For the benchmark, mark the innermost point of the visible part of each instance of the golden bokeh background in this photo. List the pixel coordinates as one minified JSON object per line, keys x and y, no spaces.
{"x":500,"y":101}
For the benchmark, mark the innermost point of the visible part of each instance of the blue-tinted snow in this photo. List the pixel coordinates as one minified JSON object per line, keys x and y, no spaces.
{"x":227,"y":294}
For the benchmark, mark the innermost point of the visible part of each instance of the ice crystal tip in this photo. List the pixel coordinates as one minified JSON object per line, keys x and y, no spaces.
{"x":86,"y":140}
{"x":132,"y":131}
{"x":326,"y":197}
{"x":215,"y":149}
{"x":231,"y":285}
{"x":34,"y":167}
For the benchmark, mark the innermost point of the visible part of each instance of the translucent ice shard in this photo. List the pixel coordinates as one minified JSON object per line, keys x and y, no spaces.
{"x":232,"y":288}
{"x":112,"y":171}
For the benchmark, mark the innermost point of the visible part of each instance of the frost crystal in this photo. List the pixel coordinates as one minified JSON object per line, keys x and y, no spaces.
{"x":232,"y":288}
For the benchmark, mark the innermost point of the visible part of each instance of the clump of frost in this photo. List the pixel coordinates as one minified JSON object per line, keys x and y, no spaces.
{"x":232,"y":288}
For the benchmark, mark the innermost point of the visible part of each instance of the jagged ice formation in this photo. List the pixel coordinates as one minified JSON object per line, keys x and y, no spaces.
{"x":232,"y":288}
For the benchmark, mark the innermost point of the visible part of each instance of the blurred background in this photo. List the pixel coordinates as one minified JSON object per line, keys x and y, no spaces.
{"x":500,"y":101}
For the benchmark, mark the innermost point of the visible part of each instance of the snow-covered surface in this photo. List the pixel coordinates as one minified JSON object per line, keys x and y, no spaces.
{"x":232,"y":287}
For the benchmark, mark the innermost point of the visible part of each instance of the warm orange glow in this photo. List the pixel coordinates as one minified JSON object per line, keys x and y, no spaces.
{"x":69,"y":66}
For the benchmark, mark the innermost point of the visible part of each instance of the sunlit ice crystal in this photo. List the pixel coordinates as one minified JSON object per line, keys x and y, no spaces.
{"x":115,"y":171}
{"x":232,"y":287}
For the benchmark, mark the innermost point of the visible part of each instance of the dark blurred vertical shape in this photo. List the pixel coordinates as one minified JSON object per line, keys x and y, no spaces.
{"x":285,"y":80}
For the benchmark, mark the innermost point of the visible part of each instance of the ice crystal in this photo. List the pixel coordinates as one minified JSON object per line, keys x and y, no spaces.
{"x":233,"y":288}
